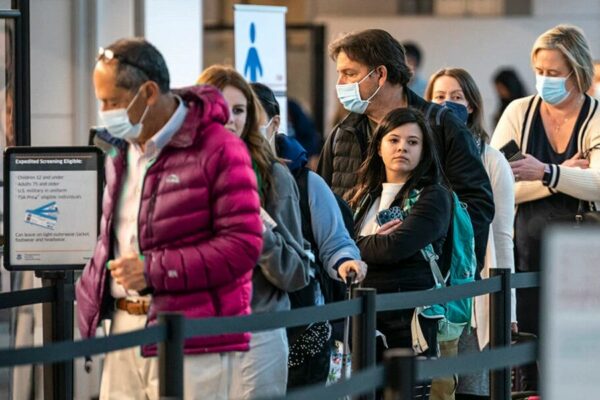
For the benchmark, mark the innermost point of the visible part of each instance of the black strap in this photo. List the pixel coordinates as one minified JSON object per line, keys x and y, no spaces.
{"x":362,"y":139}
{"x":525,"y":120}
{"x":301,"y":177}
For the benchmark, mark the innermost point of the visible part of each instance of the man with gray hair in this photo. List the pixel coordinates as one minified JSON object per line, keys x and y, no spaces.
{"x":181,"y":230}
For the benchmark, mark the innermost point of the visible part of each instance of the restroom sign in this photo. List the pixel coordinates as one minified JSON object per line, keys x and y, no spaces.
{"x":51,"y":206}
{"x":260,"y":50}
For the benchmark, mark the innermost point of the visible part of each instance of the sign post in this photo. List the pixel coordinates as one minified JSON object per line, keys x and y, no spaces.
{"x":260,"y":52}
{"x":51,"y":223}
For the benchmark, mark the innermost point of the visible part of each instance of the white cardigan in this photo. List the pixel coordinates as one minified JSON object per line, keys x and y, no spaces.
{"x":499,"y":251}
{"x":583,"y":184}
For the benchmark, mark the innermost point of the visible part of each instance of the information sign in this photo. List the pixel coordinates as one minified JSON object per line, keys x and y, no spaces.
{"x":51,"y":206}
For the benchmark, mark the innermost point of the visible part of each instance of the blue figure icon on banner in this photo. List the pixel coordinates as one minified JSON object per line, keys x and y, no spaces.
{"x":252,"y":60}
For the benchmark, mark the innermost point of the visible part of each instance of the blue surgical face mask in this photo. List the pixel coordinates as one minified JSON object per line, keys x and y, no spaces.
{"x":349,"y":96}
{"x":459,"y":110}
{"x":118,"y":124}
{"x":552,"y":89}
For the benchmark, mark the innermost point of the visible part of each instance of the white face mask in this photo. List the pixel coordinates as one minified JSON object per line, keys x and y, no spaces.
{"x":349,"y":96}
{"x":117,"y":122}
{"x":264,"y":129}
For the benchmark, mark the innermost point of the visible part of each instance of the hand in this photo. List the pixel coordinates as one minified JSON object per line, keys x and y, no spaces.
{"x":577,"y":161}
{"x":389,"y":227}
{"x":128,"y":271}
{"x":358,"y":266}
{"x":528,"y":168}
{"x":514,"y":327}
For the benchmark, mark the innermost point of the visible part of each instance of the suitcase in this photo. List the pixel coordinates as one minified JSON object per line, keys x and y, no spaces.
{"x":522,"y":376}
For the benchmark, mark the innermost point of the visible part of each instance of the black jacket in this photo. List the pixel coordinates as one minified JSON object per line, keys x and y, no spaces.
{"x":396,"y":258}
{"x":346,"y":147}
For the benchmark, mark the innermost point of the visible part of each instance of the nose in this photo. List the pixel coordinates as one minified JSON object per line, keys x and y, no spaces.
{"x":341,"y":79}
{"x":230,"y":125}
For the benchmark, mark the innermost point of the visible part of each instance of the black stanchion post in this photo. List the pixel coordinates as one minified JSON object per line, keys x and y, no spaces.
{"x":57,"y":327}
{"x":500,"y":333}
{"x":170,"y":357}
{"x":363,"y":332}
{"x":400,"y":374}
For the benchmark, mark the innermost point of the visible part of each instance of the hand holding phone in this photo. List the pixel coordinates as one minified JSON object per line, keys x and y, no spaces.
{"x":511,"y":151}
{"x":385,"y":216}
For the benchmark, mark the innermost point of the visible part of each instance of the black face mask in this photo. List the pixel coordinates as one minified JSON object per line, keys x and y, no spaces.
{"x":457,"y":109}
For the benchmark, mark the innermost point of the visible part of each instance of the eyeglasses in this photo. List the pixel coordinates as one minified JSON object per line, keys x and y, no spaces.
{"x":107,"y":54}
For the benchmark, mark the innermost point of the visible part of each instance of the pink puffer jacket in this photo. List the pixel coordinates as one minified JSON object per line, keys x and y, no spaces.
{"x":199,"y":227}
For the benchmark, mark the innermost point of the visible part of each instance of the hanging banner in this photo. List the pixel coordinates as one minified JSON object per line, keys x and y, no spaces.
{"x":51,"y":206}
{"x":570,"y":313}
{"x":260,"y":52}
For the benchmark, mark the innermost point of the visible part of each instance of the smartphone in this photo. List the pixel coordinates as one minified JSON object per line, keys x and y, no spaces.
{"x":511,"y":151}
{"x":385,"y":216}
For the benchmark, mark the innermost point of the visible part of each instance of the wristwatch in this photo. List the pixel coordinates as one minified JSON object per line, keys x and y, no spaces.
{"x":547,"y":175}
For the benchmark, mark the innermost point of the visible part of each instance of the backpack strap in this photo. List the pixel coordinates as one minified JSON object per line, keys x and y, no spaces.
{"x":301,"y":177}
{"x":432,"y":258}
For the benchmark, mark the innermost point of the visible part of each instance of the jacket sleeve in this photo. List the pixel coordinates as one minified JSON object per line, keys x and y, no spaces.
{"x":234,"y":247}
{"x":467,"y":175}
{"x":580,"y":183}
{"x":283,"y":260}
{"x":502,"y":225}
{"x":325,"y":165}
{"x":428,"y":221}
{"x":328,"y":227}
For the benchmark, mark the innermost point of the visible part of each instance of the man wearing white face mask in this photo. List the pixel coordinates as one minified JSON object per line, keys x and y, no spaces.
{"x":372,"y":80}
{"x":193,"y":255}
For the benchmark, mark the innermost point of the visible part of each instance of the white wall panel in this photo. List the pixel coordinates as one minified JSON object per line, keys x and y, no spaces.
{"x":175,"y":28}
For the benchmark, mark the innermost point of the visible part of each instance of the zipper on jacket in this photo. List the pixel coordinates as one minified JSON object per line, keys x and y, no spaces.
{"x":150,"y":207}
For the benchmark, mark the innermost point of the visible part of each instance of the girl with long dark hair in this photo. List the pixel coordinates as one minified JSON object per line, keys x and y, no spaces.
{"x":401,"y":181}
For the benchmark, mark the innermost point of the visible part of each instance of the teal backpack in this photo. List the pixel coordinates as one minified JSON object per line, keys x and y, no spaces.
{"x":456,"y":314}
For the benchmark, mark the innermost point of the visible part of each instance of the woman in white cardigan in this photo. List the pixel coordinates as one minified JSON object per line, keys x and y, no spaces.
{"x":558,"y":131}
{"x":456,"y":89}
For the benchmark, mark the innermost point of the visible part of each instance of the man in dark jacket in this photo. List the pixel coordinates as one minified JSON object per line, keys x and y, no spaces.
{"x":372,"y":80}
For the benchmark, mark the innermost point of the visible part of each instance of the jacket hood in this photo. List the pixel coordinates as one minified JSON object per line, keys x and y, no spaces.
{"x":291,"y":151}
{"x":205,"y":102}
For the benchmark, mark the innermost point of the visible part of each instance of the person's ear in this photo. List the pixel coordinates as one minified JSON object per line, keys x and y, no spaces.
{"x":275,"y":123}
{"x":383,"y":73}
{"x":151,"y":92}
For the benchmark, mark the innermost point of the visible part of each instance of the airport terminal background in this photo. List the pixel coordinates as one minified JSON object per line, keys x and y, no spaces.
{"x":479,"y":35}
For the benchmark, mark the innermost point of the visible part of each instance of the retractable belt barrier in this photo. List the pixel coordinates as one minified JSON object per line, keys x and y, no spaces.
{"x":361,"y":382}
